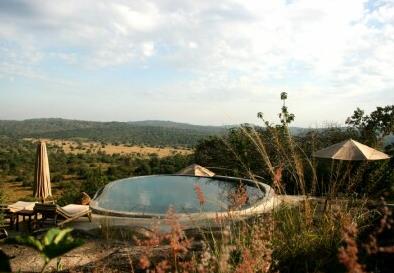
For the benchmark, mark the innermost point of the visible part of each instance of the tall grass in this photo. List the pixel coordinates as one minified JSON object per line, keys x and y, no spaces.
{"x":305,"y":237}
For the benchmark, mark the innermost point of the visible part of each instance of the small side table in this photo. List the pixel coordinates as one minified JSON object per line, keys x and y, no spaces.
{"x":24,"y":213}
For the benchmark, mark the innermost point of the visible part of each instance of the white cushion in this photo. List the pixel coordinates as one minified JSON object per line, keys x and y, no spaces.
{"x":73,"y":209}
{"x":21,"y":205}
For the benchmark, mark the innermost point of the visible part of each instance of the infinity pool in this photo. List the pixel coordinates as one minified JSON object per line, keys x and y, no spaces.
{"x":148,"y":196}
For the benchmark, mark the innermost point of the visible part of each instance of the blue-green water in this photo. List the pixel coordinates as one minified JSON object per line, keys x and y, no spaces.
{"x":155,"y":194}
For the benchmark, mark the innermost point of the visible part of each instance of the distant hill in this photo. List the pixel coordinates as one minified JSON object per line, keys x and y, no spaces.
{"x":44,"y":125}
{"x":154,"y":133}
{"x":148,"y":132}
{"x":178,"y":125}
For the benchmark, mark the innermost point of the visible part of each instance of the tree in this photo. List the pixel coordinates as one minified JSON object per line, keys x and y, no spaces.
{"x":374,"y":127}
{"x":285,"y":117}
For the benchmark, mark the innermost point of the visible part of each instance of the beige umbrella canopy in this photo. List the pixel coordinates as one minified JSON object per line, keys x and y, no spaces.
{"x":42,"y":179}
{"x":196,"y":170}
{"x":350,"y":150}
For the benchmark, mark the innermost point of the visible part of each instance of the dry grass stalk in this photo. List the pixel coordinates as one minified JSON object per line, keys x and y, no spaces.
{"x":386,"y":222}
{"x":200,"y":194}
{"x":348,"y":254}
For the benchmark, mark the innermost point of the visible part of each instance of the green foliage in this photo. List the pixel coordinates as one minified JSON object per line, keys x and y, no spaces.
{"x":95,"y":180}
{"x":148,"y":133}
{"x":285,"y":117}
{"x":15,"y":154}
{"x":73,"y":173}
{"x":305,"y":242}
{"x":233,"y":154}
{"x":255,"y":152}
{"x":71,"y":193}
{"x":55,"y":243}
{"x":258,"y":152}
{"x":373,"y":127}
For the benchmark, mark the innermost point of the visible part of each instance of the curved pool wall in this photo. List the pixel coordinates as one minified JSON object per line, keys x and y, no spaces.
{"x":143,"y":198}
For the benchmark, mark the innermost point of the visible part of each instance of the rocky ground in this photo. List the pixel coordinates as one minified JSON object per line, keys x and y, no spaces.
{"x":85,"y":258}
{"x":96,"y":256}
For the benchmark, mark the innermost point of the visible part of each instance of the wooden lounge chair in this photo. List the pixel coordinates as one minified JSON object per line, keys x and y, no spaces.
{"x":53,"y":214}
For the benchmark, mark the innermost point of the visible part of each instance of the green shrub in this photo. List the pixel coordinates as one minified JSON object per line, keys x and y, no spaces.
{"x":57,"y":178}
{"x":71,"y":194}
{"x":27,"y":183}
{"x":95,"y":179}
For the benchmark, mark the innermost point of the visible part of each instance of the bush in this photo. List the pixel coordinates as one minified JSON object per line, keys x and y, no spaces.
{"x":57,"y":178}
{"x":20,"y":178}
{"x":95,"y":179}
{"x":306,"y":241}
{"x":71,"y":193}
{"x":27,"y":183}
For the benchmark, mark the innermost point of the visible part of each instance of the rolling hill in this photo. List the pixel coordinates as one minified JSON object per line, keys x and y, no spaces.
{"x":148,"y":132}
{"x":152,"y":133}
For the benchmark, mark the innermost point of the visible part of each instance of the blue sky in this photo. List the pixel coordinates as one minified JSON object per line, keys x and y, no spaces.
{"x":202,"y":62}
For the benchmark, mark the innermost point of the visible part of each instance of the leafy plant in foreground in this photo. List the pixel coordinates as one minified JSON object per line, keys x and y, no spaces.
{"x":55,"y":243}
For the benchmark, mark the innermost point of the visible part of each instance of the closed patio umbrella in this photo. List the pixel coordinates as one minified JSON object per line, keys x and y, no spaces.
{"x":42,"y":179}
{"x":196,"y":170}
{"x":350,"y":150}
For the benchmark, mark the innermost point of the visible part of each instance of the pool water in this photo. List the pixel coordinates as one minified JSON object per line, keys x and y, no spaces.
{"x":155,"y":194}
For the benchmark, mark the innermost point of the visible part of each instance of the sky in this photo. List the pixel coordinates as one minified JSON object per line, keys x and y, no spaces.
{"x":201,"y":62}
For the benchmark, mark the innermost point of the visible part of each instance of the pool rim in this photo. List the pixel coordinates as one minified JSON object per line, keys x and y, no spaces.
{"x":252,"y":209}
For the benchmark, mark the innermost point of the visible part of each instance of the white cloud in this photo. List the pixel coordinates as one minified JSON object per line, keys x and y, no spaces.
{"x":141,"y":16}
{"x":148,"y":49}
{"x":235,"y":50}
{"x":16,"y":61}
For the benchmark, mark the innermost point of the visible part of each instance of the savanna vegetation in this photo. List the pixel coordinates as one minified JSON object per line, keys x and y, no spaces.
{"x":132,"y":133}
{"x":73,"y":173}
{"x":347,"y":229}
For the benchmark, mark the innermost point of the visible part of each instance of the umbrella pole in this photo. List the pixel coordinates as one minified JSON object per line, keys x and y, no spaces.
{"x":329,"y":192}
{"x":350,"y":169}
